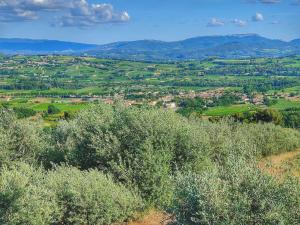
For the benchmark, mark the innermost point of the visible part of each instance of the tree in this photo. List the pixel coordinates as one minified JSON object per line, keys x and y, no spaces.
{"x":52,"y":109}
{"x":269,"y":115}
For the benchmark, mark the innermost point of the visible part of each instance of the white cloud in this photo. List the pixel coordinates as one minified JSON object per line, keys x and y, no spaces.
{"x":215,"y":22}
{"x":239,"y":22}
{"x":258,"y":17}
{"x":74,"y":12}
{"x":88,"y":15}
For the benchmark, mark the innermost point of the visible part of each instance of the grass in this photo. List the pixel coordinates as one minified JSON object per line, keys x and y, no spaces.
{"x":283,"y":104}
{"x":292,"y":89}
{"x":42,"y":107}
{"x":228,"y":110}
{"x":286,"y":163}
{"x":68,"y":107}
{"x":296,"y":166}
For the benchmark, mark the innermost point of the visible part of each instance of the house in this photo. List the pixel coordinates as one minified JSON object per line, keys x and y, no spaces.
{"x":171,"y":105}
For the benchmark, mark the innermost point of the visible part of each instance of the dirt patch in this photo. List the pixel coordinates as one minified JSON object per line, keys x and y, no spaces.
{"x":279,"y":165}
{"x":152,"y":218}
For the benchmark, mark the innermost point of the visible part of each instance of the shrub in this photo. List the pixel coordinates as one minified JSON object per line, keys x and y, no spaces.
{"x":22,"y":112}
{"x":24,"y":199}
{"x":90,"y":197}
{"x":52,"y":109}
{"x":142,"y":148}
{"x":271,"y":139}
{"x":21,"y":140}
{"x":235,"y":195}
{"x":63,"y":196}
{"x":269,"y":115}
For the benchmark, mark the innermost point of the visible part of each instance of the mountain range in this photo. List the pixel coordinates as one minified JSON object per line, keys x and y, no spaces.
{"x":229,"y":46}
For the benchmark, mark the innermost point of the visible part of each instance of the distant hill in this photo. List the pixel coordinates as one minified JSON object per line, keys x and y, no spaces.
{"x":230,"y":46}
{"x":28,"y":46}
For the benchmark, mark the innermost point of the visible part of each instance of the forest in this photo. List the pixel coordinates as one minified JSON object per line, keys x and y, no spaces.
{"x":112,"y":164}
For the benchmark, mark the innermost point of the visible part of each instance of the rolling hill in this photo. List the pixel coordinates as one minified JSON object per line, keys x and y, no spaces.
{"x":28,"y":46}
{"x":230,"y":46}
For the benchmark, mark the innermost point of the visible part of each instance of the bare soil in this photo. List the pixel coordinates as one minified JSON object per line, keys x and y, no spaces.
{"x":279,"y":165}
{"x":152,"y":218}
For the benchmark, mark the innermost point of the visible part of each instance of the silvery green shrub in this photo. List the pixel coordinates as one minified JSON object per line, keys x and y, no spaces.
{"x":24,"y":198}
{"x":21,"y":140}
{"x":90,"y":197}
{"x":238,"y":194}
{"x":64,"y":195}
{"x":144,"y":147}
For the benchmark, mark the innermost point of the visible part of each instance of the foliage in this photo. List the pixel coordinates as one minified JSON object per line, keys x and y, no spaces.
{"x":225,"y":100}
{"x":21,"y":140}
{"x":23,"y":112}
{"x":268,"y":115}
{"x":52,"y":109}
{"x":90,"y":197}
{"x":140,"y":147}
{"x":63,"y":196}
{"x":235,"y":194}
{"x":24,"y":199}
{"x":189,"y":106}
{"x":143,"y":148}
{"x":140,"y":151}
{"x":261,"y":115}
{"x":271,"y":139}
{"x":291,"y":118}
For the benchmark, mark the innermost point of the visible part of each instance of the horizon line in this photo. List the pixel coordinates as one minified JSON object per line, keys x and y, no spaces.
{"x":217,"y":35}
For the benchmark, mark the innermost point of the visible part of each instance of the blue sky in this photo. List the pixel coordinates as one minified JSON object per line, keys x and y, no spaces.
{"x":97,"y":21}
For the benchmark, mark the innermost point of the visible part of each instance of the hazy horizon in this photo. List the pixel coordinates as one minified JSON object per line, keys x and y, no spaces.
{"x":48,"y":39}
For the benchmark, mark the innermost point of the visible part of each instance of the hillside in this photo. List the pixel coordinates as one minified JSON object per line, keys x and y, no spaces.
{"x":230,"y":46}
{"x":28,"y":46}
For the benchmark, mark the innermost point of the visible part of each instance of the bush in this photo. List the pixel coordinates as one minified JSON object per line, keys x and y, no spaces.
{"x":52,"y":109}
{"x":64,"y":196}
{"x":142,"y":148}
{"x":291,"y":118}
{"x":22,"y":112}
{"x":89,"y":197}
{"x":21,"y":140}
{"x":271,"y":139}
{"x":24,"y":198}
{"x":269,"y":115}
{"x":235,"y":195}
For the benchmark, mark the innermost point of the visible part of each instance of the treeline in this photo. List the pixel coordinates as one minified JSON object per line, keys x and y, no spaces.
{"x":197,"y":105}
{"x":110,"y":163}
{"x":287,"y":118}
{"x":248,"y":85}
{"x":267,"y":69}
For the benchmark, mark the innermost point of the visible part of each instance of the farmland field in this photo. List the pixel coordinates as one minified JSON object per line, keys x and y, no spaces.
{"x":103,"y":116}
{"x":228,"y":110}
{"x":71,"y":83}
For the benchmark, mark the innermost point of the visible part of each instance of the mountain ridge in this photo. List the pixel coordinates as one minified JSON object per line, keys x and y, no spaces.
{"x":226,"y":46}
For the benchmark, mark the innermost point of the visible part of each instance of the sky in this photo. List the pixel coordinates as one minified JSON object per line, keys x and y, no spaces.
{"x":100,"y":21}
